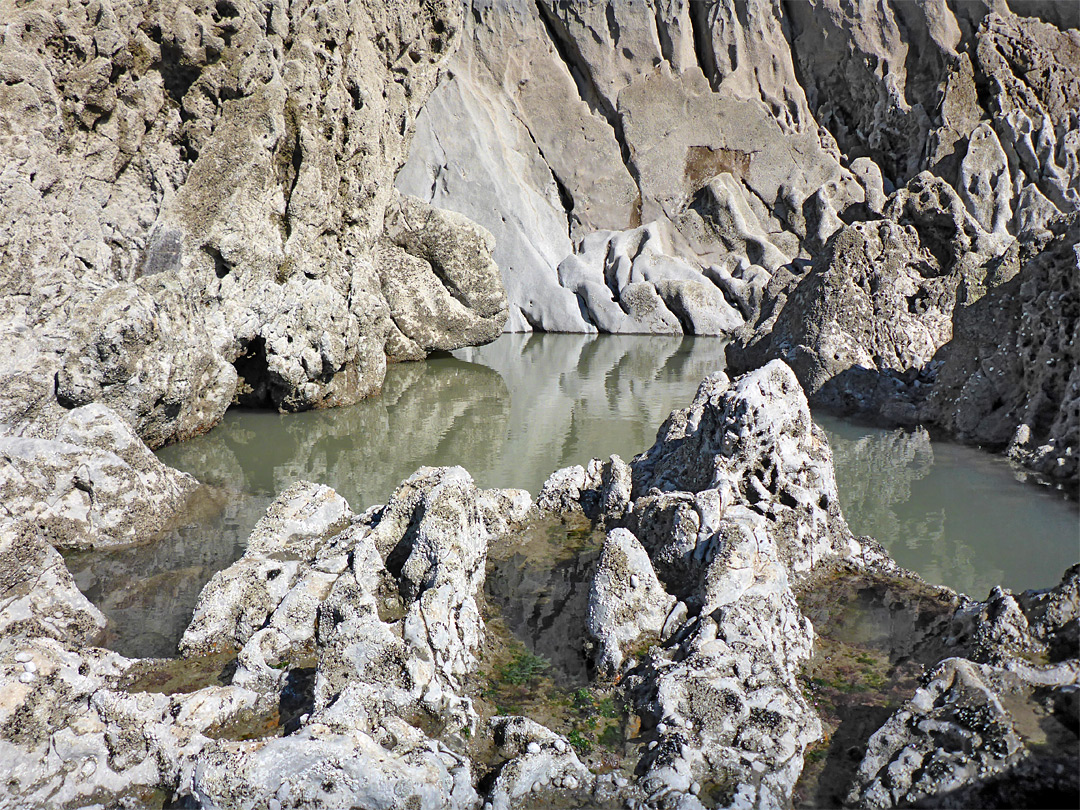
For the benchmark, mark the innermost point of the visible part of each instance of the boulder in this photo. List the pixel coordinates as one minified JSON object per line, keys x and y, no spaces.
{"x":93,"y":484}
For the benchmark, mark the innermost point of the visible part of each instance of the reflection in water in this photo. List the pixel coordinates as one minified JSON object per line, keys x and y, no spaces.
{"x":518,"y":409}
{"x":955,"y":514}
{"x":148,"y":592}
{"x":510,"y":413}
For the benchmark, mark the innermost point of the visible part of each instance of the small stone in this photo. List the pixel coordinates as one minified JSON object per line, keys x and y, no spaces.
{"x":695,"y":788}
{"x":570,"y":783}
{"x":273,"y":804}
{"x":634,"y":580}
{"x":30,"y":666}
{"x":533,"y":748}
{"x":536,"y":787}
{"x":23,"y":657}
{"x":26,"y":677}
{"x":560,"y":746}
{"x":652,"y":745}
{"x":661,"y":728}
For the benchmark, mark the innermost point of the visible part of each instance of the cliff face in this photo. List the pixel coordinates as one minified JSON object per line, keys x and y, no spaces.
{"x":193,"y":208}
{"x":690,"y":167}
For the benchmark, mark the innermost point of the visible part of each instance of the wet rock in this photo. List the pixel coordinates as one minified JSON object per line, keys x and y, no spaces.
{"x":92,"y":483}
{"x":975,"y":735}
{"x":540,"y":766}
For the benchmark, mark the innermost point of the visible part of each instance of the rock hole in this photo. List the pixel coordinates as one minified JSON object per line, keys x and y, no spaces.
{"x":253,"y":376}
{"x":177,"y":77}
{"x":357,"y":99}
{"x":225,"y":8}
{"x":221,"y":267}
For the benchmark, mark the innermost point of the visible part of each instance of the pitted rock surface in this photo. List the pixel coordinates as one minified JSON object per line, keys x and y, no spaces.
{"x":91,"y":484}
{"x":686,"y":168}
{"x":193,"y":209}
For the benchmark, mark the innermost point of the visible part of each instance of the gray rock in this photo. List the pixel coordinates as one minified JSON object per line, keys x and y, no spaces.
{"x":92,"y":484}
{"x":537,"y":761}
{"x":194,"y":205}
{"x":334,"y":770}
{"x":271,"y":576}
{"x":954,"y":743}
{"x":40,"y":598}
{"x":751,"y":443}
{"x":627,"y":603}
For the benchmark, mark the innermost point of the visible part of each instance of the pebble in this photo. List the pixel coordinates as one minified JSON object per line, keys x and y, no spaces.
{"x":570,"y":783}
{"x":533,"y":748}
{"x":30,"y":666}
{"x":560,"y":746}
{"x":273,"y":804}
{"x":695,"y":788}
{"x":652,"y":745}
{"x":536,"y":787}
{"x":634,"y":580}
{"x":661,"y":728}
{"x":23,"y":657}
{"x":26,"y":677}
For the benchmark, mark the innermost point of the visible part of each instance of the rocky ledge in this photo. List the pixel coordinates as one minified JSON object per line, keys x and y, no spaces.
{"x":364,"y":660}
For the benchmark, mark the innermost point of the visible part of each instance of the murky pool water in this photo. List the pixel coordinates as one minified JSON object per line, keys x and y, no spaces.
{"x":513,"y":412}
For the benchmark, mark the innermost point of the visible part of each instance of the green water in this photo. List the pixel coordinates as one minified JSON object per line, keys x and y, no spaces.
{"x":513,"y":412}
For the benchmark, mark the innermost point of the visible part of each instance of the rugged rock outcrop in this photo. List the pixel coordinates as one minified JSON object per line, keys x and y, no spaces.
{"x":685,"y":167}
{"x":342,"y":659}
{"x":989,"y":730}
{"x":194,"y":209}
{"x":92,"y":484}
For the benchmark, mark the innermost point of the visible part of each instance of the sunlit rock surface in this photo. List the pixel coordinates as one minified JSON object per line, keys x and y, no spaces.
{"x":840,"y":184}
{"x":194,"y":210}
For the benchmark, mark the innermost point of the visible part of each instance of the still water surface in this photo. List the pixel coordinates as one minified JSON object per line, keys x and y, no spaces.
{"x":518,"y":409}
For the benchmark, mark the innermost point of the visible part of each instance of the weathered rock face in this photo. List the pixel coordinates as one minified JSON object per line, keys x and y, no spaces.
{"x":974,"y":735}
{"x":1011,"y":373}
{"x":93,"y":484}
{"x":193,"y":209}
{"x":681,"y":167}
{"x":339,"y":661}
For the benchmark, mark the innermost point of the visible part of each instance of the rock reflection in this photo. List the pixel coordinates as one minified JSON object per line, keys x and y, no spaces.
{"x":148,"y":592}
{"x":510,"y":413}
{"x":955,"y":514}
{"x":445,"y":411}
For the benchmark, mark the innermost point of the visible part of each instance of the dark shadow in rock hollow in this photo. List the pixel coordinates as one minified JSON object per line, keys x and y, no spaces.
{"x":544,"y":605}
